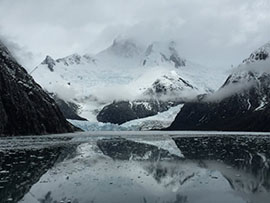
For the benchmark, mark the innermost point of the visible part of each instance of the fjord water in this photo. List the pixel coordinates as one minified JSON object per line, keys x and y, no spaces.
{"x":162,"y":167}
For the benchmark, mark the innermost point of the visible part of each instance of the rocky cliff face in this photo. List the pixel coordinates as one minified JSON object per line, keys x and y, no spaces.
{"x":241,"y":104}
{"x":24,"y":107}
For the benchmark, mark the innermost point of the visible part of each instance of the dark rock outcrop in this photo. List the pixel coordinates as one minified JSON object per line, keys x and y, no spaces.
{"x":196,"y":116}
{"x":240,"y":112}
{"x":25,"y":108}
{"x":50,"y":62}
{"x":120,"y":112}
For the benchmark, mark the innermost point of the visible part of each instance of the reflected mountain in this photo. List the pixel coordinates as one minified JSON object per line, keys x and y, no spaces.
{"x":20,"y":169}
{"x":218,"y":169}
{"x":243,"y":160}
{"x":123,"y":149}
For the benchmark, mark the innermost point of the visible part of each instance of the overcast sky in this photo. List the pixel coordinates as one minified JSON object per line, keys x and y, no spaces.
{"x":215,"y":33}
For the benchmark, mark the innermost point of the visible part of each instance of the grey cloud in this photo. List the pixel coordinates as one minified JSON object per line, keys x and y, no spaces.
{"x":215,"y":33}
{"x":21,"y":54}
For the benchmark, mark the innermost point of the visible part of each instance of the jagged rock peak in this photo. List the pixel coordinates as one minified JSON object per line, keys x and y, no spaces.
{"x":50,"y":62}
{"x":76,"y":59}
{"x":158,"y":52}
{"x":260,"y":54}
{"x":253,"y":68}
{"x":71,"y":59}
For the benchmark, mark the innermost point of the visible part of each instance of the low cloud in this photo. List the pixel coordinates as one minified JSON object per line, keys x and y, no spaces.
{"x":116,"y":92}
{"x":229,"y":90}
{"x":262,"y":66}
{"x":21,"y":54}
{"x":64,"y":92}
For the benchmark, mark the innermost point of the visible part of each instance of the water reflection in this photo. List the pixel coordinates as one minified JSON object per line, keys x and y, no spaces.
{"x":20,"y":169}
{"x":123,"y":149}
{"x":208,"y":169}
{"x":242,"y":160}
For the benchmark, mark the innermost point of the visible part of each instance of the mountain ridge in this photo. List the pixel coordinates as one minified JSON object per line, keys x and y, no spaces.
{"x":241,"y":104}
{"x":126,"y":67}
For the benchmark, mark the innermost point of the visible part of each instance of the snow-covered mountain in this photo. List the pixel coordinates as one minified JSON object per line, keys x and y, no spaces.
{"x":252,"y":77}
{"x":242,"y":103}
{"x":167,"y":91}
{"x":126,"y":70}
{"x":170,"y":86}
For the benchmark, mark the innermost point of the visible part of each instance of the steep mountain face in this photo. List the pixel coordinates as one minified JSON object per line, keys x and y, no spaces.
{"x":24,"y":107}
{"x":241,"y":104}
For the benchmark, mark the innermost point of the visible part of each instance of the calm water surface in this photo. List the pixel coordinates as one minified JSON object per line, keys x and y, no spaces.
{"x":134,"y":167}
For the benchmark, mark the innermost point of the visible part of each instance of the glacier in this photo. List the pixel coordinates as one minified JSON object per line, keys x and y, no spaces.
{"x":159,"y":121}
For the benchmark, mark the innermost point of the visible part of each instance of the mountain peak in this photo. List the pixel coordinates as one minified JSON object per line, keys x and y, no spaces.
{"x":124,"y":47}
{"x":71,"y":59}
{"x":260,"y":54}
{"x":50,"y":62}
{"x":158,"y":53}
{"x":252,"y":68}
